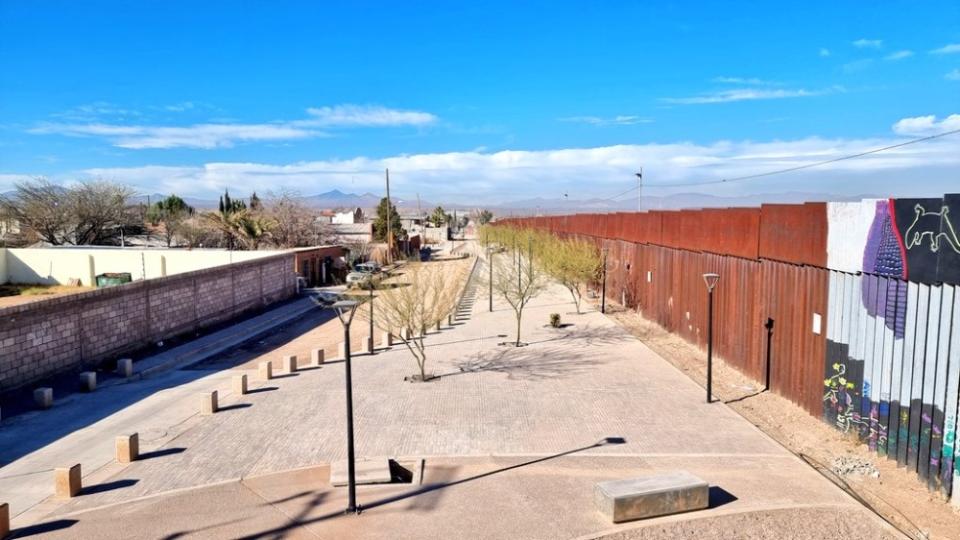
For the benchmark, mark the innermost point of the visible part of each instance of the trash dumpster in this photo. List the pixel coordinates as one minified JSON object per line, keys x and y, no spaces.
{"x":110,"y":279}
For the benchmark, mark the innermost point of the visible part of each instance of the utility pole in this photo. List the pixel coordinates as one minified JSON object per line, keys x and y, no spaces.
{"x":389,"y":216}
{"x":639,"y":190}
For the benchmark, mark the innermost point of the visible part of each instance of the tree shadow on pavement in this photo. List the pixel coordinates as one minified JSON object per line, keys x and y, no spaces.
{"x":566,"y":359}
{"x":299,"y":521}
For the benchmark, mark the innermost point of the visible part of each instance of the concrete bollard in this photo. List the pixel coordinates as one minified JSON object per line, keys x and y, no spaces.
{"x":439,"y":326}
{"x":128,"y":447}
{"x":88,"y":381}
{"x":239,"y":384}
{"x":266,"y":371}
{"x":66,"y":482}
{"x":342,"y":350}
{"x":405,"y":334}
{"x":43,"y":397}
{"x":208,"y":402}
{"x":387,"y":339}
{"x":125,"y":367}
{"x":4,"y":520}
{"x":450,"y":319}
{"x":368,"y":345}
{"x":290,"y":363}
{"x":316,"y":357}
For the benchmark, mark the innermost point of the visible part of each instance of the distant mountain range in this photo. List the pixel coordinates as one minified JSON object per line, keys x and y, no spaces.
{"x":336,"y":199}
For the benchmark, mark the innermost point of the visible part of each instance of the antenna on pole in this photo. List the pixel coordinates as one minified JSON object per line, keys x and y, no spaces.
{"x":639,"y":190}
{"x":389,"y":219}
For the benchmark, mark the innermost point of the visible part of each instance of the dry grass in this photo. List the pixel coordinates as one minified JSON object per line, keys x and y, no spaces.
{"x":12,"y":294}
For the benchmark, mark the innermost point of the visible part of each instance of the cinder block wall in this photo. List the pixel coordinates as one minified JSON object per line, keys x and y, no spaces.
{"x":66,"y":333}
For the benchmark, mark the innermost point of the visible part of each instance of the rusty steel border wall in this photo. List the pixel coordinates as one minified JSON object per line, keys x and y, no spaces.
{"x":781,"y":302}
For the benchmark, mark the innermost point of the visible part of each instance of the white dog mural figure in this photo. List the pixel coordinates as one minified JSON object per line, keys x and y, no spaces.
{"x":935,"y":225}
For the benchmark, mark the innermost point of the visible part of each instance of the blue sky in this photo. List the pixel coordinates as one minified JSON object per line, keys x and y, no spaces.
{"x":479,"y":102}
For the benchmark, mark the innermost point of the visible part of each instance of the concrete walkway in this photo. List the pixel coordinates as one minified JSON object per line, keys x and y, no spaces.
{"x":492,"y":408}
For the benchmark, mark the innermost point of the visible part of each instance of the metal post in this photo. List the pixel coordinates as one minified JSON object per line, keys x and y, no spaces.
{"x":603,"y":286}
{"x":351,"y":471}
{"x":769,"y":327}
{"x":345,"y":311}
{"x":710,"y":346}
{"x":389,"y":219}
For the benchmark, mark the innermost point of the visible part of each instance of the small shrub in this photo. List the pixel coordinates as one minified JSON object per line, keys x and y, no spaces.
{"x":555,"y":320}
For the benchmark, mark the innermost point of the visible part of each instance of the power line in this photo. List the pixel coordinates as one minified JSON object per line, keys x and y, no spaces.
{"x":809,"y":165}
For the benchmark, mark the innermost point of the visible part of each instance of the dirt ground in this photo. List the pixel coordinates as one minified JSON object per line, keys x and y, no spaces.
{"x":13,"y":295}
{"x":894,"y":493}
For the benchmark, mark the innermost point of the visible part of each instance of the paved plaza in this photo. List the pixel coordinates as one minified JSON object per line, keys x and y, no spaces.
{"x":508,"y":441}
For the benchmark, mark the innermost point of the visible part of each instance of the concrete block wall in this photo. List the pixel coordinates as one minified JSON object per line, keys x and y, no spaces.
{"x":71,"y":332}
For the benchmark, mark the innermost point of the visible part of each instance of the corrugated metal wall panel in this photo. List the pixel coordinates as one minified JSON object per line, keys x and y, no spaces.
{"x":794,"y":233}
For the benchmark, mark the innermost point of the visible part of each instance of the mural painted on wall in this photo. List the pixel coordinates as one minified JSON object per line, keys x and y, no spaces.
{"x":893,"y":362}
{"x":914,"y":239}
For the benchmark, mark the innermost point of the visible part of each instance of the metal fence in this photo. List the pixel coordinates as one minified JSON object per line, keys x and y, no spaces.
{"x":875,"y":356}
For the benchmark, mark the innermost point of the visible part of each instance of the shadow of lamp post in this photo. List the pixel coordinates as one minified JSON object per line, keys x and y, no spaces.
{"x":711,"y":281}
{"x":345,"y":311}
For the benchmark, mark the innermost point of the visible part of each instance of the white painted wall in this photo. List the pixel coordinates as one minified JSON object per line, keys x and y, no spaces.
{"x":848,"y":224}
{"x":53,"y":266}
{"x":3,"y":265}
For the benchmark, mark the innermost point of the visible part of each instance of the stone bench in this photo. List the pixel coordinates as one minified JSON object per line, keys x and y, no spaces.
{"x":651,"y":496}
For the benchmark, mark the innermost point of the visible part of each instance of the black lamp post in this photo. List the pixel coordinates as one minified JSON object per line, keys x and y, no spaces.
{"x":603,"y":286}
{"x":711,"y":281}
{"x":345,"y":311}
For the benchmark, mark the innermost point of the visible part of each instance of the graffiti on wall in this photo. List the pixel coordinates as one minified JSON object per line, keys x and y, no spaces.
{"x":893,"y":363}
{"x":914,"y":239}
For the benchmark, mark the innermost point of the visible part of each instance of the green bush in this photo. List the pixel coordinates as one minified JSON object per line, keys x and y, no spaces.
{"x":555,"y":320}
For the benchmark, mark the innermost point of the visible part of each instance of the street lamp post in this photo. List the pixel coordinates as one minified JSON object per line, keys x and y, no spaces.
{"x":345,"y":311}
{"x":603,"y":286}
{"x":711,"y":281}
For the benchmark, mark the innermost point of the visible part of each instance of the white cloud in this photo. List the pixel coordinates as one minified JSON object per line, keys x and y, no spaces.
{"x":899,"y":55}
{"x":824,"y":52}
{"x":953,"y":75}
{"x":226,"y":134}
{"x":180,"y":107}
{"x":868,"y":43}
{"x":619,"y":120}
{"x":926,"y":125}
{"x":194,"y":136}
{"x":740,"y":80}
{"x":751,"y":94}
{"x":488,"y":177}
{"x":365,"y":115}
{"x":952,"y":48}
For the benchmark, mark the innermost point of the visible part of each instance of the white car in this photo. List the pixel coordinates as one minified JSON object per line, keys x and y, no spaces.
{"x":363,"y":273}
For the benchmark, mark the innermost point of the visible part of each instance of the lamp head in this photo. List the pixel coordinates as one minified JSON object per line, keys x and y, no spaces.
{"x":711,"y":281}
{"x":345,"y":310}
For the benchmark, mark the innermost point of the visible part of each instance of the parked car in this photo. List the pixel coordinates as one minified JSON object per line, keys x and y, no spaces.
{"x":363,"y":273}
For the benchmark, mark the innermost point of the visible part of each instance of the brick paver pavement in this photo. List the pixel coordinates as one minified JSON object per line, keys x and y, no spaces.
{"x":567,"y":389}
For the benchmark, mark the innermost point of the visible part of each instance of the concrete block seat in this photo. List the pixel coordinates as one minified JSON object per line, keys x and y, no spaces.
{"x":651,"y":496}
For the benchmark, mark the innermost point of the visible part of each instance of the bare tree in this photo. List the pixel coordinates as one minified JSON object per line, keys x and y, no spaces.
{"x":87,"y":213}
{"x":294,"y":223}
{"x":421,"y":298}
{"x":518,"y":280}
{"x":39,"y":206}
